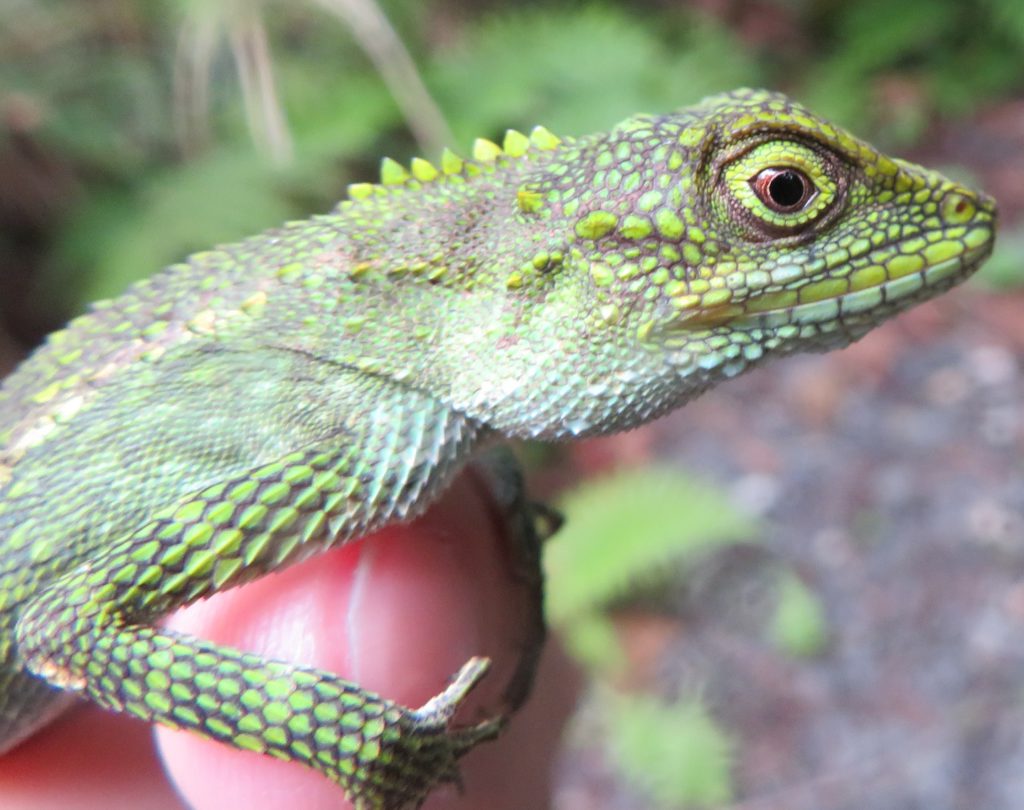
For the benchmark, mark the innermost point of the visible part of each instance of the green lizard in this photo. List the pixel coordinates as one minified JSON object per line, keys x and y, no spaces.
{"x":268,"y":399}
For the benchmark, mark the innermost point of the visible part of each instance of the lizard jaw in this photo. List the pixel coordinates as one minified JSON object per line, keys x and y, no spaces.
{"x":893,"y":293}
{"x":821,"y":325}
{"x":890,"y":283}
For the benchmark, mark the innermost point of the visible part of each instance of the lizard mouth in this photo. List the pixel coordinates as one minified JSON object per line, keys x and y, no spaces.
{"x":863,"y":294}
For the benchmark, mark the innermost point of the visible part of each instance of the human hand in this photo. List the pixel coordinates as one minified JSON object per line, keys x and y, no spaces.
{"x":398,"y":613}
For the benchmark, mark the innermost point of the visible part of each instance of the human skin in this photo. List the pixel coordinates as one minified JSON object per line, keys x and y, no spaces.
{"x":397,"y":612}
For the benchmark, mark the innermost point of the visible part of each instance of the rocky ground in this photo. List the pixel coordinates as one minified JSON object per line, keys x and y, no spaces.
{"x":890,"y":477}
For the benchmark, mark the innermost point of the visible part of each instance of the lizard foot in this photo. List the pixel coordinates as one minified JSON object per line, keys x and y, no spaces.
{"x":425,"y":751}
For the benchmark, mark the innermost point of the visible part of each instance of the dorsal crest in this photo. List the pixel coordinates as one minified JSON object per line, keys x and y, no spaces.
{"x":485,"y":156}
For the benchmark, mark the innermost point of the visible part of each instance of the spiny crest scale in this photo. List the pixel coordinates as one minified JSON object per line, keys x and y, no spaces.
{"x":543,"y":138}
{"x":450,"y":162}
{"x":393,"y":173}
{"x":485,"y":153}
{"x":515,"y":144}
{"x":423,"y":170}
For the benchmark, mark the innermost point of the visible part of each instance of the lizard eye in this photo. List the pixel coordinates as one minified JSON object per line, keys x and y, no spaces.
{"x":784,"y":190}
{"x":777,"y":188}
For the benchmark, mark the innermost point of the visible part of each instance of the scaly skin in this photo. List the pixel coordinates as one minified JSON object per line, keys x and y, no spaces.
{"x":269,"y":399}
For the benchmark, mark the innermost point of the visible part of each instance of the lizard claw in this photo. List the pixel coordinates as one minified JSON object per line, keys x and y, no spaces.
{"x":426,"y":751}
{"x":442,"y":707}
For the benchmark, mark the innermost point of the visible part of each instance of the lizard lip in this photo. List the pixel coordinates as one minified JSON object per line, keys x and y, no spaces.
{"x":892,"y":294}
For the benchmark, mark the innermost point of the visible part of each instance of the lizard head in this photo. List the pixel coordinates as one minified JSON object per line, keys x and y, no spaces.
{"x":631,"y":270}
{"x":747,"y":227}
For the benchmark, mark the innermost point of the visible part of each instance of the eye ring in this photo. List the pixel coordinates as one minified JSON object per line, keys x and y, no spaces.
{"x":781,"y":189}
{"x":784,"y":189}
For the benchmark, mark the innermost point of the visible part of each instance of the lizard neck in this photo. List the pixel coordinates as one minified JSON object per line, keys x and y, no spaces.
{"x":496,"y":315}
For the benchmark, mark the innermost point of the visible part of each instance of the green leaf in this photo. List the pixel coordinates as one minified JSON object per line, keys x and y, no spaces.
{"x":675,"y":751}
{"x":635,"y":525}
{"x":799,"y":624}
{"x":593,"y":642}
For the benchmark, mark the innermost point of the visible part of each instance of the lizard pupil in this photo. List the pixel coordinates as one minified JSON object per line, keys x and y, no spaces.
{"x":783,"y":190}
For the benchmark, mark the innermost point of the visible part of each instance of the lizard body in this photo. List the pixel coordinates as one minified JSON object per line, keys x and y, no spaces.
{"x":266,"y":400}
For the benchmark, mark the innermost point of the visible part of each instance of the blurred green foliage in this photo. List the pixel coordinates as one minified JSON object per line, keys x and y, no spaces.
{"x":798,"y":626}
{"x":636,"y":529}
{"x":638,"y":532}
{"x":1006,"y":267}
{"x":580,"y":69}
{"x":674,"y":750}
{"x":956,"y":54}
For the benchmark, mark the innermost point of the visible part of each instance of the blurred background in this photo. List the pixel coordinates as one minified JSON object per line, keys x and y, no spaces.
{"x":803,"y":591}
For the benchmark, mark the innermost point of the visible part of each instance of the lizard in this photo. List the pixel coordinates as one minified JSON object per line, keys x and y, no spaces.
{"x":265,"y":400}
